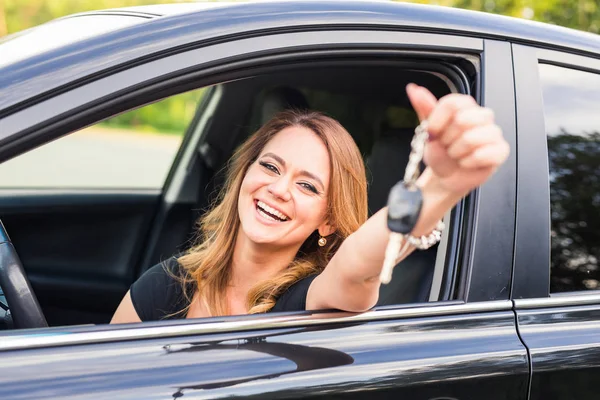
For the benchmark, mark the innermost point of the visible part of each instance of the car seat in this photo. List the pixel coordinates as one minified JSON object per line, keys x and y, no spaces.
{"x":412,"y":278}
{"x":280,"y":99}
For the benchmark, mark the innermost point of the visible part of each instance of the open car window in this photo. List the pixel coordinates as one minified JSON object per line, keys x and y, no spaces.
{"x":136,"y":149}
{"x":71,"y":265}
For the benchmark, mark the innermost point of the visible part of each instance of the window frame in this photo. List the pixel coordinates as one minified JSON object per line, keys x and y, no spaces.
{"x":532,"y":234}
{"x":484,"y":280}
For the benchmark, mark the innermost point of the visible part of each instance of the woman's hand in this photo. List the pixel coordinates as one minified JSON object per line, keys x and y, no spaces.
{"x":465,"y":145}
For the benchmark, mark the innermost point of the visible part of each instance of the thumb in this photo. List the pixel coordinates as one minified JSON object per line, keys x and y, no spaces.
{"x":422,"y":100}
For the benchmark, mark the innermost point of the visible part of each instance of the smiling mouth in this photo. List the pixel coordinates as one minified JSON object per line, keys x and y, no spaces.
{"x":269,"y":212}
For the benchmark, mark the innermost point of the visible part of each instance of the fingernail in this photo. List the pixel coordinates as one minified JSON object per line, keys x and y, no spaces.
{"x":411,"y":86}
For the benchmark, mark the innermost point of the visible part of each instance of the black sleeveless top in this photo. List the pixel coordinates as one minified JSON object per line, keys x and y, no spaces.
{"x":158,"y":295}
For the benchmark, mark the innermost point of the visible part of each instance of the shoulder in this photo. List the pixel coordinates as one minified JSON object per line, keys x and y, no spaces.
{"x":158,"y":293}
{"x":294,"y":298}
{"x":165,"y":272}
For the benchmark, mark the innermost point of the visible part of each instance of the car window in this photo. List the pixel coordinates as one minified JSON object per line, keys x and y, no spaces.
{"x":571,"y":103}
{"x":134,"y":150}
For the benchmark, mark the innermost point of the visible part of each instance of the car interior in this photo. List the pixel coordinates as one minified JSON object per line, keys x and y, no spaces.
{"x":82,"y":249}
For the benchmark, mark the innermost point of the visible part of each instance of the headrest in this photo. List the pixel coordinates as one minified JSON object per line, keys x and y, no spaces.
{"x":280,"y":99}
{"x":386,"y":164}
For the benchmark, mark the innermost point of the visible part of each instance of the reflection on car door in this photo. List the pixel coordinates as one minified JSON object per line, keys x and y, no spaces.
{"x":450,"y":351}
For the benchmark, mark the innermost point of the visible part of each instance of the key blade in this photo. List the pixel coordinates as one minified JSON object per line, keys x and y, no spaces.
{"x":391,"y":252}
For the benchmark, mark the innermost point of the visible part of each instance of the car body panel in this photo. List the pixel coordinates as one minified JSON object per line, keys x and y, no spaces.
{"x":532,"y":236}
{"x":446,"y":356}
{"x":562,"y":335}
{"x":491,"y":262}
{"x":59,"y":33}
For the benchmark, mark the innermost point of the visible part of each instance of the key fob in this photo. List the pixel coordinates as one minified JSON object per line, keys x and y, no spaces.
{"x":404,"y":207}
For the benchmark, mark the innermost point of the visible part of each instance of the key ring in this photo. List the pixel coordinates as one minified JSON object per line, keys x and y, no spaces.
{"x":417,"y":144}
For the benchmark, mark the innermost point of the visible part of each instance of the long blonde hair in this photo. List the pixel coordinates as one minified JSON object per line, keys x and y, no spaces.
{"x":207,"y":265}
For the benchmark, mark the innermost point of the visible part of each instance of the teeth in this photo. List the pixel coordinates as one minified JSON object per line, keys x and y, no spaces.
{"x":272,"y":211}
{"x":267,"y":216}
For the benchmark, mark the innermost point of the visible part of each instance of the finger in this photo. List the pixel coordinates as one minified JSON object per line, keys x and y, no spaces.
{"x":464,"y":120}
{"x":422,"y":100}
{"x":491,"y":155}
{"x":473,"y":139}
{"x":436,"y":157}
{"x":443,"y":114}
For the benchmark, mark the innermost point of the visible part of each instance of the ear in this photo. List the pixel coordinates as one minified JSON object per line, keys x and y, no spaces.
{"x":325,"y":229}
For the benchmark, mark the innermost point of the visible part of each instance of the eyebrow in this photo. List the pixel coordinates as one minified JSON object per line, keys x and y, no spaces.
{"x":303,"y":172}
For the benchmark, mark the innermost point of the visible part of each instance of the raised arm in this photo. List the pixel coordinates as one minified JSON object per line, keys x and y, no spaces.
{"x":464,"y":150}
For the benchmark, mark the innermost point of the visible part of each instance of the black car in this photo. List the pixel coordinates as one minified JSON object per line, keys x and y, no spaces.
{"x":505,"y":307}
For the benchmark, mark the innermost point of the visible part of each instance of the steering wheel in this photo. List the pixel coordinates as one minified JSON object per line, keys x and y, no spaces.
{"x":24,"y":307}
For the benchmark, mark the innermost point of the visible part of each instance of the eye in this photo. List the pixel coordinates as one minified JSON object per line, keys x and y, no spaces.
{"x":310,"y":187}
{"x":269,"y":166}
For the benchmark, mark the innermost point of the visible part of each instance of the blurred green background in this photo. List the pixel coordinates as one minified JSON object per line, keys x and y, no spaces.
{"x":172,"y":115}
{"x":16,"y":15}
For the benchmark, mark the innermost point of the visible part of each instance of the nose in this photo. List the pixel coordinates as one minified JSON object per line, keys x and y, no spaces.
{"x":280,"y":188}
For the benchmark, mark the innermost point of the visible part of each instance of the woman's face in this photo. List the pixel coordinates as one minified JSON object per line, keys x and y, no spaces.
{"x":283,"y":197}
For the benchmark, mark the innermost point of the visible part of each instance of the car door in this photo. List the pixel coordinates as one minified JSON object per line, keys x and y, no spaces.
{"x":462,"y":347}
{"x":443,"y":351}
{"x":556,"y":260}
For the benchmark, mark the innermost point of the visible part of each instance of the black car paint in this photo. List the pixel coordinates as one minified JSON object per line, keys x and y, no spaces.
{"x":550,"y":353}
{"x":446,"y":356}
{"x":532,"y":244}
{"x":564,"y":345}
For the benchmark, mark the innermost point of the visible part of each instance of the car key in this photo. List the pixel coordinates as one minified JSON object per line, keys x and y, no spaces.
{"x":404,"y":204}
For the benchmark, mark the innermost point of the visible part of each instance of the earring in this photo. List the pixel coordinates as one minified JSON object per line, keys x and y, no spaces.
{"x":322,"y":241}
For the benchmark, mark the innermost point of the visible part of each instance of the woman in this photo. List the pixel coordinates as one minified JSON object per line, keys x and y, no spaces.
{"x":290,"y":230}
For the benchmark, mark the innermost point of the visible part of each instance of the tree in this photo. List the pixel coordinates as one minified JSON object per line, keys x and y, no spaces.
{"x":3,"y":27}
{"x":577,"y":14}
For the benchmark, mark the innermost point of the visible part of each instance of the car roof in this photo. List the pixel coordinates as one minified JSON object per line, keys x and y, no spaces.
{"x":509,"y":27}
{"x":60,"y":32}
{"x":161,"y":10}
{"x":158,"y":28}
